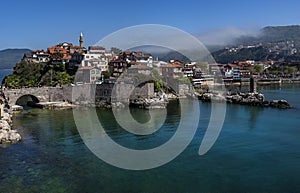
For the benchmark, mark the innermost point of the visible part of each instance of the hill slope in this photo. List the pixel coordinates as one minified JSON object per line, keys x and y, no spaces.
{"x":9,"y":57}
{"x":272,"y":34}
{"x":274,"y":43}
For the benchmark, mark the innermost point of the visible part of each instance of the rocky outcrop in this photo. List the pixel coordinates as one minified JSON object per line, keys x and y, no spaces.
{"x":212,"y":97}
{"x":160,"y":101}
{"x":251,"y":99}
{"x":281,"y":104}
{"x":7,"y":134}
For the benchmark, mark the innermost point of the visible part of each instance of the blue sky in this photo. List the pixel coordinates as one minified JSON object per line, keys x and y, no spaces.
{"x":39,"y":24}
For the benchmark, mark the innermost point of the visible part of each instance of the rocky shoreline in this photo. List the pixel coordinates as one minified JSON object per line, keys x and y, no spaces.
{"x":159,"y":101}
{"x":250,"y":99}
{"x":7,"y":134}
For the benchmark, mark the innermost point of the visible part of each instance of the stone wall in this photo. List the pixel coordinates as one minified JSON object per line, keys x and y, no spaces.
{"x":109,"y":92}
{"x":43,"y":94}
{"x":87,"y":92}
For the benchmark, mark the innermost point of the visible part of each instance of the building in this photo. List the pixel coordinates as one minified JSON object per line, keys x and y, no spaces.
{"x":137,"y":58}
{"x":189,"y":70}
{"x":216,"y":69}
{"x":37,"y":56}
{"x":117,"y":67}
{"x":88,"y":75}
{"x":76,"y":59}
{"x":97,"y":56}
{"x":172,"y":70}
{"x":139,"y":69}
{"x":245,"y":68}
{"x":57,"y":49}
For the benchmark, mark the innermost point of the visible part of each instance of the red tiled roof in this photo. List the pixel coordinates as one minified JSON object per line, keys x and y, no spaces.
{"x":54,"y":49}
{"x":172,"y":65}
{"x":139,"y":53}
{"x":86,"y":68}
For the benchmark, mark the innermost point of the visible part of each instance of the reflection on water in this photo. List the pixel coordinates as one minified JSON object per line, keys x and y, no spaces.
{"x":257,"y":151}
{"x":254,"y":113}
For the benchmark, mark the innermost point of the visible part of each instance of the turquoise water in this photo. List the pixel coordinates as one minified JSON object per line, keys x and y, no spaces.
{"x":258,"y":150}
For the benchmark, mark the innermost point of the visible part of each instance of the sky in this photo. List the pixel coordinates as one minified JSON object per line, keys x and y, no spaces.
{"x":40,"y":24}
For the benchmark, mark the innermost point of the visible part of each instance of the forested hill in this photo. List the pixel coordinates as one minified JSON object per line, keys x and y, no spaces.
{"x":9,"y":57}
{"x":281,"y":43}
{"x":272,"y":34}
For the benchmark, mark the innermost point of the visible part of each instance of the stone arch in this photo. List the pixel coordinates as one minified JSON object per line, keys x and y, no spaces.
{"x":24,"y":99}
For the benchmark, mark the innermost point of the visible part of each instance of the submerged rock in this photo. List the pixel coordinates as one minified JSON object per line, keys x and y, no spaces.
{"x":281,"y":104}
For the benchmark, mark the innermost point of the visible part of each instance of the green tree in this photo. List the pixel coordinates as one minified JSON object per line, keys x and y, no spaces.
{"x":11,"y":81}
{"x":106,"y":75}
{"x":258,"y":69}
{"x":62,"y":78}
{"x":38,"y":74}
{"x":290,"y":70}
{"x":158,"y":85}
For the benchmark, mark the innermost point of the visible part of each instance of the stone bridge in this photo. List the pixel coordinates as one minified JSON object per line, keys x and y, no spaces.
{"x":35,"y":94}
{"x":84,"y":92}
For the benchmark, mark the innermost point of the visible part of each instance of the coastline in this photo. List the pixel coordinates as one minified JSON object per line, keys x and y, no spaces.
{"x":8,"y":135}
{"x":161,"y":100}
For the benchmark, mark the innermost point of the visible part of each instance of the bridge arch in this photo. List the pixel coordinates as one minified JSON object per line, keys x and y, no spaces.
{"x":24,"y":99}
{"x":41,"y":94}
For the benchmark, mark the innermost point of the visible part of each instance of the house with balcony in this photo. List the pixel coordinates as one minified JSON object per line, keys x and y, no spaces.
{"x":172,"y":70}
{"x":37,"y":56}
{"x":117,"y":67}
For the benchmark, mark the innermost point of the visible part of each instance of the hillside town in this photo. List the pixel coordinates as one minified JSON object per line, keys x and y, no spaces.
{"x":96,"y":63}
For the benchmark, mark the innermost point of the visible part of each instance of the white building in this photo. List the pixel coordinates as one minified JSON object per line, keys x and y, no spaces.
{"x":88,"y":75}
{"x":97,"y":56}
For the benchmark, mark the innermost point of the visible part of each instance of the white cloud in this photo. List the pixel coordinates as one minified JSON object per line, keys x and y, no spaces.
{"x":226,"y":36}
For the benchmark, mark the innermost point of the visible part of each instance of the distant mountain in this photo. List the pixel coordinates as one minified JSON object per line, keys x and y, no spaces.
{"x":262,"y":41}
{"x":9,"y":57}
{"x":258,"y":54}
{"x":273,"y":42}
{"x":272,"y":34}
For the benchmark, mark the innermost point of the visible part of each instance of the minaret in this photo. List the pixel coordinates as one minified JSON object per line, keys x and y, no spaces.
{"x":81,"y":40}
